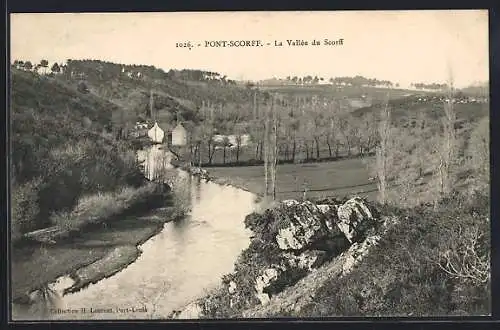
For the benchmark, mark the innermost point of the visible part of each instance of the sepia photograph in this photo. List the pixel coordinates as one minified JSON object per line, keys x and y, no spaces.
{"x":249,"y":165}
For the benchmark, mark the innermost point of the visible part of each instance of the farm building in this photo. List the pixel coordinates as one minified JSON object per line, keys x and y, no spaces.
{"x":179,"y":135}
{"x":156,"y":134}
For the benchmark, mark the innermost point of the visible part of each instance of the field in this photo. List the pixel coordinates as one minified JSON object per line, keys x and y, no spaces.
{"x":377,"y":93}
{"x":338,"y":178}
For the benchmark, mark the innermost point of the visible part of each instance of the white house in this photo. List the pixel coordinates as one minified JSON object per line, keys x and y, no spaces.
{"x":156,"y":134}
{"x":179,"y":135}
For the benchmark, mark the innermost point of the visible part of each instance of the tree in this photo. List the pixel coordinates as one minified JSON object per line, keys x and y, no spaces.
{"x":44,"y":64}
{"x":208,"y":133}
{"x":225,"y":144}
{"x":274,"y":166}
{"x":267,"y":148}
{"x":239,"y":131}
{"x":28,"y":65}
{"x":478,"y":152}
{"x":318,"y":131}
{"x":447,"y":148}
{"x":383,"y":149}
{"x":55,"y":68}
{"x":368,"y":133}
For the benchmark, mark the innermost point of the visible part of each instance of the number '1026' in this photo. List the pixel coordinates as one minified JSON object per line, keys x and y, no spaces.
{"x":186,"y":44}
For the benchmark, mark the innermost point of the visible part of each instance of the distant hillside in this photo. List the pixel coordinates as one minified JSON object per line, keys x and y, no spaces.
{"x":116,"y":81}
{"x":55,"y":98}
{"x":339,"y":92}
{"x":431,"y":105}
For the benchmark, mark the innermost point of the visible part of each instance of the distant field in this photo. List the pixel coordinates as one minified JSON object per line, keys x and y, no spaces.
{"x":331,"y":91}
{"x":338,"y":178}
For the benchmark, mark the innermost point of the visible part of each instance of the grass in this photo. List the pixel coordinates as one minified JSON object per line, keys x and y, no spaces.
{"x":339,"y":178}
{"x":102,"y":207}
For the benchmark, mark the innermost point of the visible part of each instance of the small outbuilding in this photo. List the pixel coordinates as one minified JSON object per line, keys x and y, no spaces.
{"x":179,"y":135}
{"x":156,"y":134}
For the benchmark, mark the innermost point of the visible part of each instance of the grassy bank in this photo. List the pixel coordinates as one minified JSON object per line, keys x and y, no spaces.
{"x":99,"y":225}
{"x":102,"y":208}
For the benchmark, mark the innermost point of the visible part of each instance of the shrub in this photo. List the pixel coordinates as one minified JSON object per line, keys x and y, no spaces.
{"x":104,"y":206}
{"x":82,"y":87}
{"x":24,"y":208}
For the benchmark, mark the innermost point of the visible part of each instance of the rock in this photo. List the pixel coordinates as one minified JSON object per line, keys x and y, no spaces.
{"x":357,"y":252}
{"x":307,"y":260}
{"x":330,"y":216}
{"x":301,"y":224}
{"x":354,"y":218}
{"x":232,"y":287}
{"x":262,"y":282}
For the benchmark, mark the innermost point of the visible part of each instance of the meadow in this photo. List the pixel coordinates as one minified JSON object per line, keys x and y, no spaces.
{"x":335,"y":178}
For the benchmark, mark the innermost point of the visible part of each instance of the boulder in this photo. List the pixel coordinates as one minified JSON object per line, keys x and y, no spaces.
{"x":300,"y":225}
{"x":357,"y":252}
{"x":354,"y":218}
{"x":330,"y":216}
{"x":309,"y":260}
{"x":263,"y":281}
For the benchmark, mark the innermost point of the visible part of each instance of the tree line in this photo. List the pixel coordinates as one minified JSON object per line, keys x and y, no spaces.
{"x":358,"y":81}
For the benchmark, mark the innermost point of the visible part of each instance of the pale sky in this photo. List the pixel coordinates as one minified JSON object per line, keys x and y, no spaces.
{"x":401,"y":46}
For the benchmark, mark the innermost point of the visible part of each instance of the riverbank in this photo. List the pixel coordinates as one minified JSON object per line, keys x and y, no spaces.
{"x":95,"y":251}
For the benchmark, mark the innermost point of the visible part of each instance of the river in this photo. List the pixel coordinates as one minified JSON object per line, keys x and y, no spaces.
{"x":178,"y":265}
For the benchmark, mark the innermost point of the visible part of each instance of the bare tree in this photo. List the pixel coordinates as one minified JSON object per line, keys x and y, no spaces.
{"x":382,"y":156}
{"x":266,"y":149}
{"x":479,"y":152}
{"x":274,"y":166}
{"x":447,"y":148}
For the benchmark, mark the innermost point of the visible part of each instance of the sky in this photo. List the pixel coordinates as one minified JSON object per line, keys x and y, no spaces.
{"x":400,"y":46}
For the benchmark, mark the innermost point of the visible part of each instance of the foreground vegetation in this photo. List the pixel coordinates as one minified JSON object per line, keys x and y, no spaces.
{"x":436,"y":262}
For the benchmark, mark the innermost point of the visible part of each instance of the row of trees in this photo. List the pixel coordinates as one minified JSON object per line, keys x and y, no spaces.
{"x":304,"y":131}
{"x":199,"y":75}
{"x":358,"y":81}
{"x":43,"y":66}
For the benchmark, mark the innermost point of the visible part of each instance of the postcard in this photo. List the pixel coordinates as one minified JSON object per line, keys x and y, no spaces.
{"x":229,"y":165}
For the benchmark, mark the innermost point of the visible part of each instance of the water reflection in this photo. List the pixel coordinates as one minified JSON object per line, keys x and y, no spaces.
{"x":178,"y":265}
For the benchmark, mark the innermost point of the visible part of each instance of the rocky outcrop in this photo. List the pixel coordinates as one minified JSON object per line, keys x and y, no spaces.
{"x":292,"y":240}
{"x":292,"y":299}
{"x":354,"y":218}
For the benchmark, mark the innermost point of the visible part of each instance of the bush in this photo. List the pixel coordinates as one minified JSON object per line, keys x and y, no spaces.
{"x":24,"y":208}
{"x":83,"y":168}
{"x":82,"y":87}
{"x":108,"y":206}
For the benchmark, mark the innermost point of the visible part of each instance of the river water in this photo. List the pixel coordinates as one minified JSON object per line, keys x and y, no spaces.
{"x":178,"y":265}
